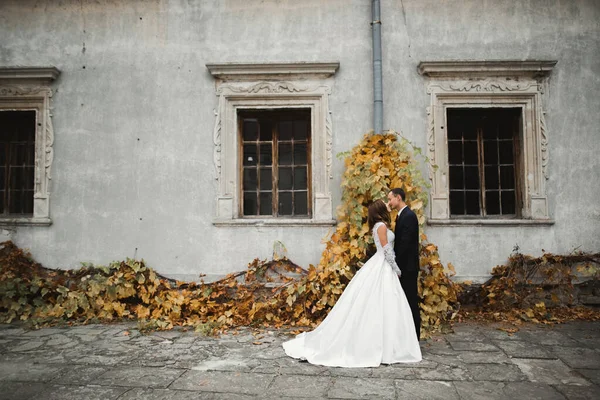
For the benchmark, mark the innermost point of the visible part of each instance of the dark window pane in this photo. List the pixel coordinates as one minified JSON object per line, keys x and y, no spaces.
{"x":266,"y":154}
{"x":508,"y":202}
{"x":507,"y":177}
{"x":266,"y":130}
{"x":286,"y":130}
{"x":2,"y":180}
{"x":456,"y":178}
{"x":492,"y":202}
{"x":300,"y":152}
{"x":16,"y":202}
{"x":471,"y":177}
{"x":250,"y":203}
{"x":301,"y":203}
{"x":266,"y":203}
{"x":469,"y":132}
{"x":508,"y":127}
{"x":3,"y":147}
{"x":16,"y":178}
{"x":472,"y":203}
{"x":455,"y":155}
{"x":285,"y":203}
{"x":266,"y":179}
{"x":250,"y":154}
{"x":490,"y":128}
{"x":285,"y":179}
{"x":250,"y":179}
{"x":250,"y":129}
{"x":490,"y":152}
{"x":300,"y":130}
{"x":285,"y":154}
{"x":2,"y":197}
{"x":28,"y":175}
{"x":506,"y":152}
{"x":457,"y":202}
{"x":491,"y":177}
{"x":28,"y":202}
{"x":470,"y":149}
{"x":300,"y":178}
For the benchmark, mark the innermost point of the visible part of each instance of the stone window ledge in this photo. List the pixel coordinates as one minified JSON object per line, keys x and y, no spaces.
{"x":9,"y":222}
{"x":274,"y":222}
{"x":490,"y":222}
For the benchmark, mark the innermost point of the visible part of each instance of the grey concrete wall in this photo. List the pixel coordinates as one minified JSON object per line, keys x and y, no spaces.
{"x":134,"y":113}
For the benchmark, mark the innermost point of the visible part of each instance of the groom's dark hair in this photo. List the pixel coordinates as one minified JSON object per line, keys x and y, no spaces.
{"x":399,"y":192}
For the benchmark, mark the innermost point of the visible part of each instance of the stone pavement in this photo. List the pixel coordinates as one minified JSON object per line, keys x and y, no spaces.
{"x":117,"y":362}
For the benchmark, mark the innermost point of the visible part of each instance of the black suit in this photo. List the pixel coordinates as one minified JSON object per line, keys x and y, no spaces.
{"x":406,"y":247}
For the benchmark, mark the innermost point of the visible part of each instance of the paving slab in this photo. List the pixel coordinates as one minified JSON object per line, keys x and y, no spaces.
{"x":63,"y":392}
{"x":506,"y":391}
{"x":164,"y":394}
{"x":478,"y":361}
{"x":578,"y":357}
{"x":29,"y":372}
{"x":22,"y":390}
{"x":362,"y":388}
{"x":579,"y":392}
{"x":472,"y":346}
{"x":139,"y":377}
{"x":443,"y":373}
{"x":79,"y":375}
{"x":550,"y":372}
{"x":523,"y":349}
{"x":426,"y":390}
{"x":483,"y":357}
{"x":593,"y":375}
{"x":496,"y":372}
{"x":300,"y":386}
{"x":224,"y":382}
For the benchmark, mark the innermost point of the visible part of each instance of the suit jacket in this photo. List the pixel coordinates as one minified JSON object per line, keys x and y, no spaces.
{"x":406,"y":245}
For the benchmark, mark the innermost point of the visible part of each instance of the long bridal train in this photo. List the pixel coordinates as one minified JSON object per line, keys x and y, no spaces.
{"x":371,"y":323}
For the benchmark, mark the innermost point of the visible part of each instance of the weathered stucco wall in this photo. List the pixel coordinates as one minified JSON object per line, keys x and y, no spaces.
{"x":134,"y":110}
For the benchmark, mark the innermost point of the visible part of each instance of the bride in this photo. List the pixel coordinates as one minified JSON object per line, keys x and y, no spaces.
{"x":371,"y":323}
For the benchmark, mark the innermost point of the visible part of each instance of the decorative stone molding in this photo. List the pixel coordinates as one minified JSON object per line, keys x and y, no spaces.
{"x":28,"y":88}
{"x":269,"y":86}
{"x":481,"y":84}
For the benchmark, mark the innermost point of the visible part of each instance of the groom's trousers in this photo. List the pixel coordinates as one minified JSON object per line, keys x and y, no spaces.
{"x":408,"y":280}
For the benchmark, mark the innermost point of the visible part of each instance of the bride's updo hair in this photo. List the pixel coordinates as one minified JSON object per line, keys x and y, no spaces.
{"x":378,"y":212}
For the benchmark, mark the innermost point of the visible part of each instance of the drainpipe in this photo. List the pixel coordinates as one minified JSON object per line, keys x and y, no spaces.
{"x":377,"y":75}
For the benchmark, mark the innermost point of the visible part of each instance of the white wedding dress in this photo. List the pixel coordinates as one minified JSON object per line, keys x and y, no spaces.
{"x":371,"y":323}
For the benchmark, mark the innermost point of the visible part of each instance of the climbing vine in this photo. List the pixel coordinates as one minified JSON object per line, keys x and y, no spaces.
{"x":129,"y":289}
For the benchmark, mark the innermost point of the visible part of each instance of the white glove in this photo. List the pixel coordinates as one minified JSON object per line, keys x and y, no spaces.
{"x":390,"y":257}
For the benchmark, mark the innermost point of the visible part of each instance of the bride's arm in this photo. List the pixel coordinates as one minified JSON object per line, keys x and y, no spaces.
{"x":388,"y":249}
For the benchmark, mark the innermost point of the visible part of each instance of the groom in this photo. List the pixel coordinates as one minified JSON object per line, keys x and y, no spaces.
{"x":406,"y":248}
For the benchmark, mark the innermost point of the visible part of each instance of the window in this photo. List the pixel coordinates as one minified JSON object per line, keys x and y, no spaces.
{"x":273,"y":144}
{"x":26,"y":138}
{"x":483,"y":154}
{"x":17,"y":162}
{"x":487,"y":141}
{"x":275,"y":161}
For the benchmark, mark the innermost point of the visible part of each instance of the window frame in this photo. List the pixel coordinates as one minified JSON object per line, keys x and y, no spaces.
{"x":492,"y":84}
{"x":28,"y":89}
{"x":275,"y":164}
{"x":517,"y":165}
{"x":272,"y":86}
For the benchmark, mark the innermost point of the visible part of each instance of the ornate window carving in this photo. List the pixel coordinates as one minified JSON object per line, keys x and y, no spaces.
{"x":25,"y":94}
{"x":482,"y":87}
{"x":244,"y":88}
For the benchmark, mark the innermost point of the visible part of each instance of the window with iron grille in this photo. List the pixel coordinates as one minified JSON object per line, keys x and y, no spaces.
{"x":17,"y":162}
{"x":275,"y":162}
{"x":483,"y":161}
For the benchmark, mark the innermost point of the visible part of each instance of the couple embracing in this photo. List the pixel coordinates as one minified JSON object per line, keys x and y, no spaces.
{"x":376,"y":320}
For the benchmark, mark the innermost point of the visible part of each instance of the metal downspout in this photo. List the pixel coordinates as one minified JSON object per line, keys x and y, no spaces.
{"x":377,"y":75}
